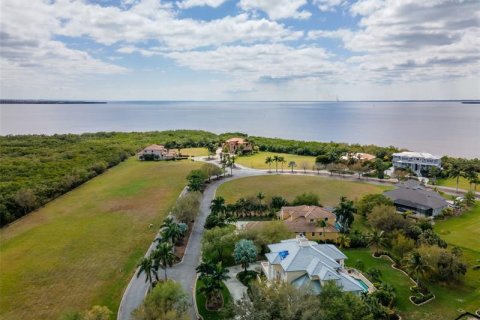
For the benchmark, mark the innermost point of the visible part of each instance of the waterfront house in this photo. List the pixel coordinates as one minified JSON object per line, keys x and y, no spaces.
{"x":156,"y":152}
{"x":412,"y":196}
{"x":305,"y":263}
{"x":418,"y":162}
{"x":237,"y":145}
{"x":359,"y":156}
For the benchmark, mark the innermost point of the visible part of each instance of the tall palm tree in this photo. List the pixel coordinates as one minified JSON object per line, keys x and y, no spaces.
{"x":147,"y":265}
{"x":376,"y":239}
{"x":291,"y":164}
{"x":276,"y":159}
{"x":343,"y":241}
{"x":345,"y":213}
{"x":217,"y":205}
{"x":455,"y":172}
{"x":231,"y":164}
{"x":323,"y":224}
{"x":269,"y":160}
{"x":282,"y":161}
{"x":417,"y":266}
{"x":163,"y":256}
{"x":260,"y":197}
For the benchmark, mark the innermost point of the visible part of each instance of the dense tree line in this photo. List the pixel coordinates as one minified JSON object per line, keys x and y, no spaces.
{"x":38,"y":168}
{"x":314,"y":148}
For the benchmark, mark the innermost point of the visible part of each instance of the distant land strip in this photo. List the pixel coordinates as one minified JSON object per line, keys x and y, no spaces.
{"x":15,"y":101}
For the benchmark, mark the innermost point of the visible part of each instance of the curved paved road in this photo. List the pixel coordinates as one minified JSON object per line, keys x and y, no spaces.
{"x":184,"y":272}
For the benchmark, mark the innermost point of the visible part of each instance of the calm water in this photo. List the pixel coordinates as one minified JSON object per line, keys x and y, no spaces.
{"x":438,"y":127}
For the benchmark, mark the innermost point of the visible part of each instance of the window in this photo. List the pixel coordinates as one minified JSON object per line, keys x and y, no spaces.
{"x":326,"y":219}
{"x":313,"y":234}
{"x":312,"y":220}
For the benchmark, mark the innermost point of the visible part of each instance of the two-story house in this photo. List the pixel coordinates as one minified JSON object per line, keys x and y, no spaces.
{"x":416,"y":161}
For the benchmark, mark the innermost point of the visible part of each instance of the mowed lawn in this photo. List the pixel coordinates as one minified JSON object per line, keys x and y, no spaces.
{"x":257,"y":161}
{"x":450,"y":182}
{"x":196,"y":152}
{"x":329,"y":190}
{"x":82,"y":248}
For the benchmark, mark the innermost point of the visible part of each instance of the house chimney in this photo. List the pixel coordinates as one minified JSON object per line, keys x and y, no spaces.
{"x":302,"y":241}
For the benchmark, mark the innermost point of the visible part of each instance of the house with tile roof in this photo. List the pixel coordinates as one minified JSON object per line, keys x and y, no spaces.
{"x":237,"y":145}
{"x":305,"y":263}
{"x":305,"y":220}
{"x":156,"y":152}
{"x":412,"y":196}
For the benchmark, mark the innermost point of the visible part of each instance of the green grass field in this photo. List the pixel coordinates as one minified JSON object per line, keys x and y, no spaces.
{"x":82,"y":248}
{"x":196,"y":152}
{"x":449,"y":182}
{"x":257,"y":160}
{"x":329,"y":190}
{"x":200,"y":299}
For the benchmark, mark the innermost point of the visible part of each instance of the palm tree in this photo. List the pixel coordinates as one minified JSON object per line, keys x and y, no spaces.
{"x":269,"y":160}
{"x":217,"y":205}
{"x":282,"y":161}
{"x":276,"y":159}
{"x":291,"y":164}
{"x":455,"y":172}
{"x":345,"y":213}
{"x":210,"y":287}
{"x":323,"y":224}
{"x":417,"y":266}
{"x":171,"y":230}
{"x":163,"y":256}
{"x":147,"y":265}
{"x":231,"y":164}
{"x":212,"y":276}
{"x":260,"y":197}
{"x":343,"y":241}
{"x":376,"y":239}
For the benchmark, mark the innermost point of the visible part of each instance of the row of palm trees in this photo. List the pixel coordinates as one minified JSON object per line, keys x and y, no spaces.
{"x":275,"y":159}
{"x":163,"y":256}
{"x":228,"y":161}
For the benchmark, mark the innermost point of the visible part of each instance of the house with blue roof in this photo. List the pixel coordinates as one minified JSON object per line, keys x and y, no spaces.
{"x":305,"y":263}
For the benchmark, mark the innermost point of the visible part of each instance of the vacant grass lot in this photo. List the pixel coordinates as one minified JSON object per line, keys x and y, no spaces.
{"x":450,"y":182}
{"x":257,"y":161}
{"x":82,"y":248}
{"x":329,"y":190}
{"x":196,"y":152}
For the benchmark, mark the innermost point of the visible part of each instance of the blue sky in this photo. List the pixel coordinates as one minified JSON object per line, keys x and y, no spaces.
{"x":240,"y":49}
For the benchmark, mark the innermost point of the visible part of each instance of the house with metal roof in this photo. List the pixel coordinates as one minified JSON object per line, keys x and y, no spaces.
{"x":412,"y":196}
{"x":418,"y":162}
{"x":305,"y":263}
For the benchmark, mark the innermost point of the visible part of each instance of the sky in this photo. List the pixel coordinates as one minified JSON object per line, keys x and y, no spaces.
{"x":240,"y":49}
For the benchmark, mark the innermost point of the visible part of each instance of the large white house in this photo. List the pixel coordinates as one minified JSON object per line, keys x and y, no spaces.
{"x":416,"y":161}
{"x":305,"y":263}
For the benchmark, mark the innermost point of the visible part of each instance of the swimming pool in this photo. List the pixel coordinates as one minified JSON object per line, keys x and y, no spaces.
{"x":363,"y":284}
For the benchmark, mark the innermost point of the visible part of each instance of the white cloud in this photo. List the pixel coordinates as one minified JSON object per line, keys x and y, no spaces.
{"x":277,"y":9}
{"x":185,"y":4}
{"x":261,"y":62}
{"x":411,"y":40}
{"x":327,"y":5}
{"x":149,"y":20}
